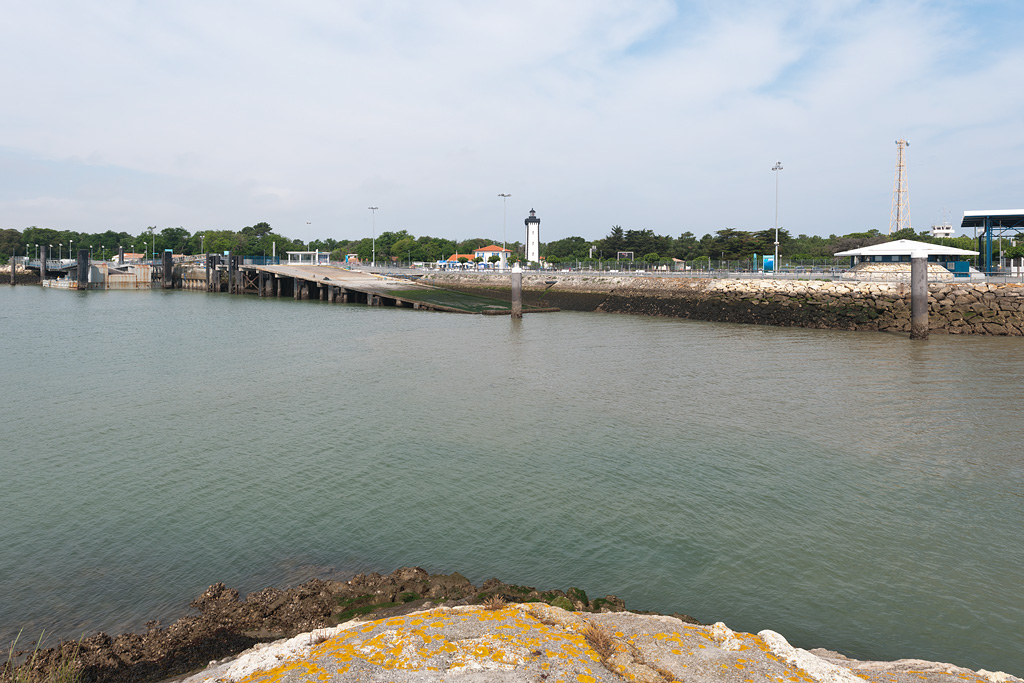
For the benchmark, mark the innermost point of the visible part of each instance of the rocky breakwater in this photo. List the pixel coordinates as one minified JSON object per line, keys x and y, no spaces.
{"x":968,"y":308}
{"x":21,"y":276}
{"x":419,"y":627}
{"x":225,"y":625}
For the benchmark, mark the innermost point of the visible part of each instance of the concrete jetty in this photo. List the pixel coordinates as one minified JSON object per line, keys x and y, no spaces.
{"x":342,"y":285}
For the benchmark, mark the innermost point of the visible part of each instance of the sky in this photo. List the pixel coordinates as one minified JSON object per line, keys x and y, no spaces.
{"x":647,"y":114}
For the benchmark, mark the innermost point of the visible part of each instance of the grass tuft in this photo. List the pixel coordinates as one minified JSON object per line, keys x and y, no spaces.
{"x":63,"y":668}
{"x":600,"y":640}
{"x":494,"y":602}
{"x":318,"y":635}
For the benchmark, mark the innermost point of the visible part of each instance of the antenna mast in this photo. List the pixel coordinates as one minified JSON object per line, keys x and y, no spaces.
{"x":899,"y":217}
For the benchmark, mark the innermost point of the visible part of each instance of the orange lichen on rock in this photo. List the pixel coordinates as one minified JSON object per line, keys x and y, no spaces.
{"x":538,"y":642}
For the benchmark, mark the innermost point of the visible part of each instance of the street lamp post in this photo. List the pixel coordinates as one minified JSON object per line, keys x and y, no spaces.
{"x":373,"y":259}
{"x":202,"y":243}
{"x":775,"y":264}
{"x":504,"y":215}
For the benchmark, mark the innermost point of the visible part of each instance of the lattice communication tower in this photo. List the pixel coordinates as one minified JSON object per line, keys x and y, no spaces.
{"x":899,"y":217}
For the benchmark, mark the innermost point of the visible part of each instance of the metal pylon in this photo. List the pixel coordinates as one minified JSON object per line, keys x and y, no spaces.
{"x":899,"y":217}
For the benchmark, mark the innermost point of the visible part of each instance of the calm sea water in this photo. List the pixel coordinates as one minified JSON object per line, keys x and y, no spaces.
{"x":850,"y":490}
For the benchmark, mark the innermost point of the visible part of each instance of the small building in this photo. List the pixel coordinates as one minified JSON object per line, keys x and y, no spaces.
{"x":942,"y":230}
{"x":493,"y":250}
{"x":309,"y":258}
{"x":891,"y":261}
{"x":452,"y":262}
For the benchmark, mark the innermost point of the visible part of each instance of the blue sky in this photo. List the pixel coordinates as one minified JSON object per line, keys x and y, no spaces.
{"x":646,"y":114}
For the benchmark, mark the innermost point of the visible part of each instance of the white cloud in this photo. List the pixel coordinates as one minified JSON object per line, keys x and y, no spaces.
{"x":644,"y":114}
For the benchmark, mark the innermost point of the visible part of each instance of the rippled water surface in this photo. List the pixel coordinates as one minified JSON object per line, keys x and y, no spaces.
{"x":850,"y":490}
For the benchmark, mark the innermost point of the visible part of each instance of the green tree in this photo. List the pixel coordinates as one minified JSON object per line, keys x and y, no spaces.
{"x":175,"y":239}
{"x":10,"y":241}
{"x":614,"y":242}
{"x":569,"y":247}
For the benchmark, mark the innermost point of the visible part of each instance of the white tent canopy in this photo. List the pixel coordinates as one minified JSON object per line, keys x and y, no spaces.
{"x":906,"y":248}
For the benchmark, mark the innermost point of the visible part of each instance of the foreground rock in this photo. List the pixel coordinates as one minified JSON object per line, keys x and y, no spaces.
{"x":539,"y":642}
{"x":226,"y":625}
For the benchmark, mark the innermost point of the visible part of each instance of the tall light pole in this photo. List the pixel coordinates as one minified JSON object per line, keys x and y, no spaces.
{"x":775,"y":264}
{"x":373,"y":260}
{"x":504,"y":215}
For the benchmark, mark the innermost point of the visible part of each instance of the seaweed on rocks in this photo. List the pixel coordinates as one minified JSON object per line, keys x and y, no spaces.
{"x":225,"y":625}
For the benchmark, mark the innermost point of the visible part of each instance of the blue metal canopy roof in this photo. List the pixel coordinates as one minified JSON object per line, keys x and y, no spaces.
{"x":993,"y":222}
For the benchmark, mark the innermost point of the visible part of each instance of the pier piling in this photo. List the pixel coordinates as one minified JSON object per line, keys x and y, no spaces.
{"x":83,"y":269}
{"x":168,"y":270}
{"x":517,"y":292}
{"x":918,"y":296}
{"x":234,"y":274}
{"x":12,"y":270}
{"x":42,"y":262}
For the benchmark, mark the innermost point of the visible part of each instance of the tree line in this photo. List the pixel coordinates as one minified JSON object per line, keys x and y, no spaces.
{"x":729,"y":244}
{"x":401,"y":246}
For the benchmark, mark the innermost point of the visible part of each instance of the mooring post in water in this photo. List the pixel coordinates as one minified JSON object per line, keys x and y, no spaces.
{"x":42,"y":263}
{"x":12,"y":270}
{"x":233,"y":287}
{"x":168,"y":267}
{"x":517,"y":291}
{"x":83,"y":269}
{"x":918,"y":295}
{"x":120,"y":255}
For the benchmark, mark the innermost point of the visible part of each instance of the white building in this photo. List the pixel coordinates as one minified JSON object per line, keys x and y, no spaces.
{"x":532,"y":238}
{"x":493,"y":250}
{"x":943,"y":230}
{"x":890,"y":261}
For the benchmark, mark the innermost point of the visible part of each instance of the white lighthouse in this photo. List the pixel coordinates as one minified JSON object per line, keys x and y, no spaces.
{"x":533,"y":238}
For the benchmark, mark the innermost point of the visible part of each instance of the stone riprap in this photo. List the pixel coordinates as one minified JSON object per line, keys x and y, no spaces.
{"x":954,"y":308}
{"x":538,"y":642}
{"x":21,"y":276}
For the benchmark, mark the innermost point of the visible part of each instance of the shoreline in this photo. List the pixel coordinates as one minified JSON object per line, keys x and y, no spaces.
{"x":225,"y":625}
{"x":298,"y":618}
